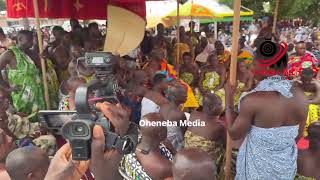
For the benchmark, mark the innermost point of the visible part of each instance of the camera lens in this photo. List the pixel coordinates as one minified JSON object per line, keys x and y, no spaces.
{"x":79,"y":130}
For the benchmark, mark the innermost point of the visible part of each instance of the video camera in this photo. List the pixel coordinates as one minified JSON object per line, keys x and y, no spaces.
{"x":78,"y":128}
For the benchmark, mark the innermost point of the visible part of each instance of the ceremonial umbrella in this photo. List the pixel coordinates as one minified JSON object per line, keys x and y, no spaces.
{"x":156,"y":10}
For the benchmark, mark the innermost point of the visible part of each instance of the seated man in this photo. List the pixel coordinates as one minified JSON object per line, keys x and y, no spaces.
{"x":301,"y":60}
{"x":152,"y":160}
{"x":210,"y":137}
{"x":27,"y":163}
{"x":193,"y":164}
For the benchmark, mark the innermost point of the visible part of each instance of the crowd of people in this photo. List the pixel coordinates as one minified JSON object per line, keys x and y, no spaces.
{"x":273,"y":119}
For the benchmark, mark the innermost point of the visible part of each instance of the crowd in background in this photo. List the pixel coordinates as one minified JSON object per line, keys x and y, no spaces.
{"x":162,"y":80}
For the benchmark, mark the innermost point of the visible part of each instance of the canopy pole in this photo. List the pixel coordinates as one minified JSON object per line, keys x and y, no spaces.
{"x":215,"y":30}
{"x":43,"y":65}
{"x":233,"y":76}
{"x":275,"y":17}
{"x":178,"y":34}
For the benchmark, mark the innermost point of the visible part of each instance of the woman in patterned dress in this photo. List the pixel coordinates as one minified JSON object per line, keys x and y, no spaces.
{"x":189,"y":71}
{"x":212,"y":78}
{"x":244,"y":80}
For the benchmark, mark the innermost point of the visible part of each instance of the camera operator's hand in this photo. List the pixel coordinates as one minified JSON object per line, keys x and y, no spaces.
{"x":117,"y":115}
{"x":63,"y":167}
{"x":104,"y":164}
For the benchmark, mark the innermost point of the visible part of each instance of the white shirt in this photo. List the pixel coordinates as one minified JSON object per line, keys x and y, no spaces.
{"x":148,"y":106}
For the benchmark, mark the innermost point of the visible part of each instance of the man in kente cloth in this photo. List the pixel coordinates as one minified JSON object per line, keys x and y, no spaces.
{"x":271,"y":117}
{"x":22,"y":74}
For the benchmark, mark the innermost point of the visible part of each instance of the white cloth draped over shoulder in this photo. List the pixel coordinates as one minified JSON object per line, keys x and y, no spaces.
{"x":269,"y":153}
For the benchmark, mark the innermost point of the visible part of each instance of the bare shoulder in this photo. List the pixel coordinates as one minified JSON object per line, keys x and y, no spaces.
{"x":252,"y":98}
{"x":6,"y":58}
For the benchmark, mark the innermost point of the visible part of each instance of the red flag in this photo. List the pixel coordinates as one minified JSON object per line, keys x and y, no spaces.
{"x":79,"y":9}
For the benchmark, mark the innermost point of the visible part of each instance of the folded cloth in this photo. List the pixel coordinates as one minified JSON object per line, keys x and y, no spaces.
{"x":274,"y":83}
{"x":268,"y":153}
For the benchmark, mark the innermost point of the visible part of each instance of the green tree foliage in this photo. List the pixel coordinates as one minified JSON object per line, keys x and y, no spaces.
{"x":288,"y":9}
{"x":3,"y":5}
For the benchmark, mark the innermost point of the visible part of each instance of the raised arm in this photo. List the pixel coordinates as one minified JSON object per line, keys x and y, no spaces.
{"x":5,"y":59}
{"x":249,"y":84}
{"x":238,"y":126}
{"x":302,"y":105}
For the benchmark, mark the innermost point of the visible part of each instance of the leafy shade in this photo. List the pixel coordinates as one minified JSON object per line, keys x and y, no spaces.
{"x":3,"y":5}
{"x":308,"y":10}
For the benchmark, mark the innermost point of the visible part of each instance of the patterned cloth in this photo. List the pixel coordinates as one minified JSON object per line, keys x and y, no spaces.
{"x":246,"y":57}
{"x":268,"y":152}
{"x":241,"y":85}
{"x":53,"y":85}
{"x":29,"y":98}
{"x":182,"y":49}
{"x":64,"y":103}
{"x":133,"y":168}
{"x":300,"y":177}
{"x":313,"y":114}
{"x":47,"y":143}
{"x":211,"y":81}
{"x":214,"y":149}
{"x":187,"y":77}
{"x":166,"y":152}
{"x":21,"y":127}
{"x":297,"y":63}
{"x":225,"y":57}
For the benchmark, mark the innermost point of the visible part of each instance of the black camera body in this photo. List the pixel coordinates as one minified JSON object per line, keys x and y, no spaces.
{"x":79,"y":130}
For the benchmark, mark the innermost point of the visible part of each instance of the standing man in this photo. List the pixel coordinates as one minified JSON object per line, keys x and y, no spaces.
{"x":22,"y":73}
{"x":161,"y":42}
{"x":270,"y":118}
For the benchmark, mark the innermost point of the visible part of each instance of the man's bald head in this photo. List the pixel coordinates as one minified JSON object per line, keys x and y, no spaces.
{"x":212,"y":104}
{"x":27,"y":163}
{"x":154,"y":132}
{"x":190,"y":164}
